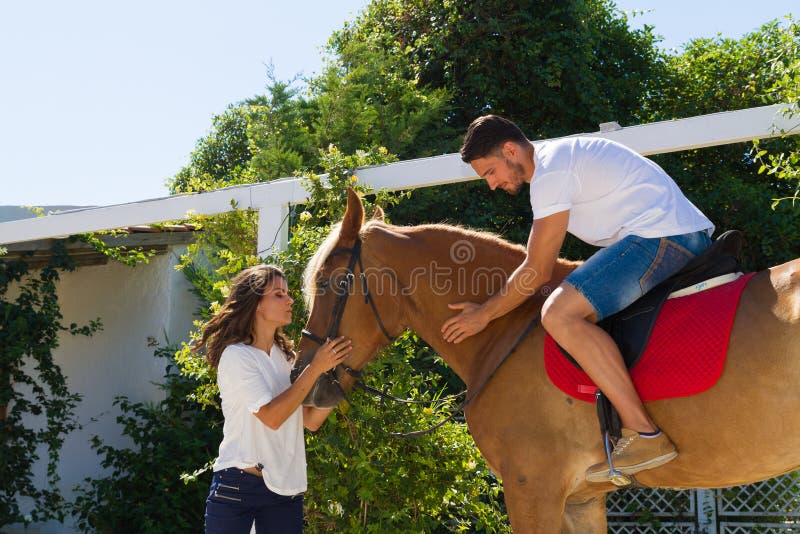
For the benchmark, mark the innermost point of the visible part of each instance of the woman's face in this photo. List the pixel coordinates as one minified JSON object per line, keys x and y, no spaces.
{"x":275,"y":306}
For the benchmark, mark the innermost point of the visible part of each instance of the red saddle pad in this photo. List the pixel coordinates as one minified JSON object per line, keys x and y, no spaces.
{"x":684,"y":355}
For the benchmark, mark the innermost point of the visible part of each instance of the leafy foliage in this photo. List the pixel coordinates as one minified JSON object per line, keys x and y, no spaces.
{"x":258,"y":140}
{"x":120,"y":253}
{"x":721,"y":74}
{"x":784,"y":165}
{"x":363,"y":480}
{"x":37,"y":410}
{"x":145,"y":491}
{"x":553,"y":67}
{"x":364,"y":100}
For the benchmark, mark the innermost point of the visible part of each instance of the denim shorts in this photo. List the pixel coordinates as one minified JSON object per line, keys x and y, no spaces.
{"x":238,"y":499}
{"x":616,"y":276}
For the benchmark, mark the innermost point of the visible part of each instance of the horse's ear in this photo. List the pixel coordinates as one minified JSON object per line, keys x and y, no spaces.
{"x":353,"y":216}
{"x":378,"y":215}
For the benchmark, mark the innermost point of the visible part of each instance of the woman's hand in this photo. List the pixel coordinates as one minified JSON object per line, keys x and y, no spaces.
{"x":330,"y":354}
{"x":275,"y":412}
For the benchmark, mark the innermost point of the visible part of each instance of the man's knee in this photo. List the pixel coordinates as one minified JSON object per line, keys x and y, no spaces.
{"x":564,"y":307}
{"x":553,"y":314}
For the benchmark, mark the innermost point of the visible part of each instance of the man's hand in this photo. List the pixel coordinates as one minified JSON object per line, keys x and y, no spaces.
{"x":469,"y":322}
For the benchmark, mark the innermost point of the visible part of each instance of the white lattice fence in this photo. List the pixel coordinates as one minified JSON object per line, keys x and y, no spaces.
{"x":649,"y":511}
{"x":764,"y":507}
{"x":771,"y":506}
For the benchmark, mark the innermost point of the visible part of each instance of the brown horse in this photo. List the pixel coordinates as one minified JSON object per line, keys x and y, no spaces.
{"x":537,"y":439}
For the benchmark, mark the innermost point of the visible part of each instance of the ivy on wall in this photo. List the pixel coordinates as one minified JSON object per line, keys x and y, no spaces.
{"x":37,"y":410}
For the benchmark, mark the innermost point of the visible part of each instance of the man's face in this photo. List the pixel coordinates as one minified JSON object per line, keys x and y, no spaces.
{"x":500,"y":171}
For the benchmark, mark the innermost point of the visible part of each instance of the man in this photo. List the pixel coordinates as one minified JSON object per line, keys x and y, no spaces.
{"x":606,"y":195}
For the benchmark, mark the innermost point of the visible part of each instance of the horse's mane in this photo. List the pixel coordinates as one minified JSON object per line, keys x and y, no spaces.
{"x":463,"y":232}
{"x":457,"y":232}
{"x":481,"y":237}
{"x":315,"y":264}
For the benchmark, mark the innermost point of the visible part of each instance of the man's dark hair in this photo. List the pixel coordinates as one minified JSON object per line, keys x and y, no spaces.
{"x":487,"y":134}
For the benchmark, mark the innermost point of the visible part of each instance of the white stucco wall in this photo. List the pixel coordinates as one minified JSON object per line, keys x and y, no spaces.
{"x":134,"y":304}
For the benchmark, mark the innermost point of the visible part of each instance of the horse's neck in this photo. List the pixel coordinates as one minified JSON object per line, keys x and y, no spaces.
{"x":422,"y":265}
{"x":477,"y":356}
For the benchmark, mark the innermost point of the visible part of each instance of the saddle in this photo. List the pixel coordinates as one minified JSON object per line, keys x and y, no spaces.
{"x":631,"y":328}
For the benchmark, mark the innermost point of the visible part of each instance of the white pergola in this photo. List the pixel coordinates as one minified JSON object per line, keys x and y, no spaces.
{"x":272,"y":199}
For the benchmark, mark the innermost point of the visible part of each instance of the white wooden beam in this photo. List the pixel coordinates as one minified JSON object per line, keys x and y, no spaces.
{"x":707,"y":130}
{"x":660,"y":137}
{"x":172,"y":208}
{"x":654,"y":138}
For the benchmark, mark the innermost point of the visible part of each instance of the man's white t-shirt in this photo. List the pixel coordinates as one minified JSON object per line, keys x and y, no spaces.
{"x":249,"y":378}
{"x":611,"y":191}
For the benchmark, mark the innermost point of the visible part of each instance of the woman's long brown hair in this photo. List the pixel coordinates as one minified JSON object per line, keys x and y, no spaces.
{"x":234,"y":322}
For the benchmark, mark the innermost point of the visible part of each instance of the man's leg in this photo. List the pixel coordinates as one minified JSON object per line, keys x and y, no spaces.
{"x":567,"y":317}
{"x":641,"y":446}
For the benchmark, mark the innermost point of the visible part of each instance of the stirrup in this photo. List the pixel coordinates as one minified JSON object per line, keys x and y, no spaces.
{"x":614,"y":476}
{"x":611,"y":430}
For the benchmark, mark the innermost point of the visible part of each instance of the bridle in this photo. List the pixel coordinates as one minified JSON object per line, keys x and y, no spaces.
{"x":333,"y":331}
{"x":338,"y":308}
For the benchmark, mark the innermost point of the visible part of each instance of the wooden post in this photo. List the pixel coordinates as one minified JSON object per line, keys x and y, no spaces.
{"x":273,"y":228}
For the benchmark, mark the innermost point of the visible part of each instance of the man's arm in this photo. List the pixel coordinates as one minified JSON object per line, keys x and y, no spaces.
{"x":544,"y":242}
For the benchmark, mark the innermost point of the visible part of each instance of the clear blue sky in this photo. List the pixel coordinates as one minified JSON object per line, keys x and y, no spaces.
{"x":102,"y":101}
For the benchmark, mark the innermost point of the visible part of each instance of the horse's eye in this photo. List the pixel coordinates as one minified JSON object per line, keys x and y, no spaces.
{"x":322,"y":284}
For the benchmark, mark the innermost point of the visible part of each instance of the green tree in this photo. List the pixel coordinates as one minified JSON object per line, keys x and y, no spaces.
{"x":783,"y":163}
{"x":555,"y":68}
{"x":257,"y":140}
{"x":364,"y":100}
{"x":713,"y":75}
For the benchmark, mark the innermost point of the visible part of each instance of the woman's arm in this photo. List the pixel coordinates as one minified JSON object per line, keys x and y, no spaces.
{"x":314,"y":417}
{"x":277,"y":411}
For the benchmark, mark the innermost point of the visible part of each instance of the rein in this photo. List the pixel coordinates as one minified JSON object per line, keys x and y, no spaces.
{"x":333,"y":330}
{"x":461,"y":407}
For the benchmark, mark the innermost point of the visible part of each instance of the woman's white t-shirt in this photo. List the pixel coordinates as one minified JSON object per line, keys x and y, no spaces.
{"x":249,"y":378}
{"x":611,"y":191}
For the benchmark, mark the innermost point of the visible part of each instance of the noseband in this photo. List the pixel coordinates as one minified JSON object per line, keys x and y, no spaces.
{"x":341,"y":301}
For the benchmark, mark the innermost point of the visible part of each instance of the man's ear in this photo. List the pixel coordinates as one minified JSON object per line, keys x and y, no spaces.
{"x":510,"y":149}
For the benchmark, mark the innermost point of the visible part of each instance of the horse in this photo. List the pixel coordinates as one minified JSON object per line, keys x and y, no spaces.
{"x":537,"y":439}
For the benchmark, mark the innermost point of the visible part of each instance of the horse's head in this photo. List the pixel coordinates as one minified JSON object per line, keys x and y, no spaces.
{"x":341,"y":302}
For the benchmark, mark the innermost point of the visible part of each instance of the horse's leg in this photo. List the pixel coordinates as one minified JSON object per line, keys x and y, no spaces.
{"x":585,"y":517}
{"x":535,"y":504}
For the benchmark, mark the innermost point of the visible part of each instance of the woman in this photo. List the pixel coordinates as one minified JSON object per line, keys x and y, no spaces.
{"x":260,"y":474}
